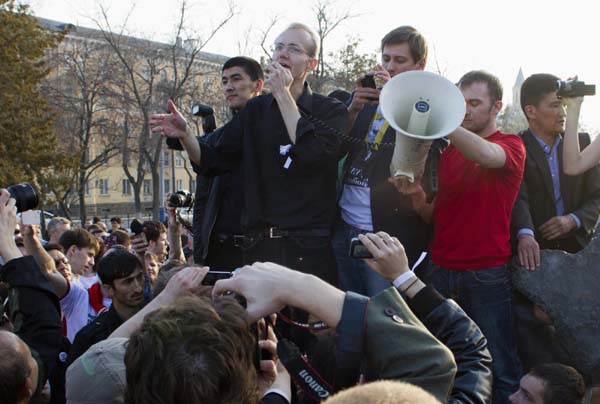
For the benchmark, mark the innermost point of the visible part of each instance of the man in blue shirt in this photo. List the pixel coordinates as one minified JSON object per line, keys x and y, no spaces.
{"x":553,"y":210}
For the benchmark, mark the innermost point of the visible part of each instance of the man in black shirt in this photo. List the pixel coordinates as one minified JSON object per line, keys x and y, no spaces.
{"x":122,"y":277}
{"x":219,"y":203}
{"x":288,"y":145}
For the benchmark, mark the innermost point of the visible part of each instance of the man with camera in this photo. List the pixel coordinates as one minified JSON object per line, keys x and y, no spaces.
{"x":28,"y":354}
{"x":554,"y":210}
{"x":219,"y":203}
{"x":368,"y":201}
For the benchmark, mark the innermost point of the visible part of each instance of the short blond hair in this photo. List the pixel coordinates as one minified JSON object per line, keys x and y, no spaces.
{"x":383,"y":392}
{"x":313,"y":36}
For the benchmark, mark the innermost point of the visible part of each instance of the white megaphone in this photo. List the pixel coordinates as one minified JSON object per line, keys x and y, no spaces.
{"x":422,"y":107}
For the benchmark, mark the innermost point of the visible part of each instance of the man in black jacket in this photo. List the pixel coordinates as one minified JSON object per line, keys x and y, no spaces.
{"x":553,"y":210}
{"x":368,"y":201}
{"x":287,"y":143}
{"x":29,"y":353}
{"x":122,"y":278}
{"x":218,"y":205}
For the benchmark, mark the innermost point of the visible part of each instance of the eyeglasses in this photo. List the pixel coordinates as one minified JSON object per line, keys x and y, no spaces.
{"x":63,"y":261}
{"x":291,"y":48}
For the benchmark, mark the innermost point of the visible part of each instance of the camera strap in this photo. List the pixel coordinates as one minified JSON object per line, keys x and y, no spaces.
{"x":316,"y":326}
{"x":302,"y":373}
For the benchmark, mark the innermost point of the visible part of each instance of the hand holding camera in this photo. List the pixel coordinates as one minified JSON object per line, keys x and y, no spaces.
{"x":389,"y":258}
{"x":8,"y":223}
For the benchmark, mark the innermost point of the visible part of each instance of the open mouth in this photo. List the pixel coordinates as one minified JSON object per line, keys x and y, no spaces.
{"x":285,"y":65}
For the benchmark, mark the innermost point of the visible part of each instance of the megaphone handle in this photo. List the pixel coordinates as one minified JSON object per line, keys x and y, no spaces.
{"x":433,"y":177}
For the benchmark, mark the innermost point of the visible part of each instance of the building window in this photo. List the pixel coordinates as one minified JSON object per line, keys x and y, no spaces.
{"x":147,"y":189}
{"x":103,"y":186}
{"x":126,"y":187}
{"x":178,"y":160}
{"x":167,"y":186}
{"x":178,"y":185}
{"x":192,"y":186}
{"x":166,"y":158}
{"x":87,"y":188}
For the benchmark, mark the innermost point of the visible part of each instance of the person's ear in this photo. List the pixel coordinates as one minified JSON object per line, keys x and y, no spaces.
{"x":530,"y":111}
{"x":71,"y":251}
{"x":497,"y":107}
{"x":421,"y":64}
{"x":258,"y":86}
{"x":312,"y":64}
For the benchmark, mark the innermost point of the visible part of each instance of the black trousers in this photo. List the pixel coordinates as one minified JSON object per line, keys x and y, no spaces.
{"x":312,"y":255}
{"x":223,"y":254}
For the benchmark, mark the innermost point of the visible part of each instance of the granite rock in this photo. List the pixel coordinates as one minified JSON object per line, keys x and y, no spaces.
{"x":567,"y":287}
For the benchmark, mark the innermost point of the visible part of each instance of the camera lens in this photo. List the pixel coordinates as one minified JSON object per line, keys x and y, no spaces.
{"x":176,"y":200}
{"x":25,"y":195}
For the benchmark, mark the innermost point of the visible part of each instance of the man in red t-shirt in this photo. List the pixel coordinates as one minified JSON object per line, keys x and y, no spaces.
{"x":479,"y":178}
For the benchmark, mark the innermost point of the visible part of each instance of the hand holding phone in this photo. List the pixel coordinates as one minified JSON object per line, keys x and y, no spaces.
{"x":358,"y":250}
{"x":368,"y":81}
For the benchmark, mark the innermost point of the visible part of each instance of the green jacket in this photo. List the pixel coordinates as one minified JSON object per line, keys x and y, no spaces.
{"x":394,"y":343}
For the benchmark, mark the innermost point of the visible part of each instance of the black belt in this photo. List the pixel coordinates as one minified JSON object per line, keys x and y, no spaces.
{"x":276,"y":232}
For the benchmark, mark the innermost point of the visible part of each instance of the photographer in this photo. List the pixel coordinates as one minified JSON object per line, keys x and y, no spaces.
{"x":182,"y":348}
{"x":382,"y":331}
{"x":553,"y":210}
{"x":29,"y":354}
{"x":442,"y":317}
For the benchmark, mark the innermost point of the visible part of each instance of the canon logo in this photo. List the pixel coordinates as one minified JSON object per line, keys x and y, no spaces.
{"x":319,"y":390}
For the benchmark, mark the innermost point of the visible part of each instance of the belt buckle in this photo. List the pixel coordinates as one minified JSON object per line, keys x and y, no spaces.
{"x":238,"y":240}
{"x":271,"y":233}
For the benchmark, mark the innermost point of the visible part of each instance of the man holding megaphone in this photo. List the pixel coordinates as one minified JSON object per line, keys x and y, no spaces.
{"x":368,"y":202}
{"x":479,"y":178}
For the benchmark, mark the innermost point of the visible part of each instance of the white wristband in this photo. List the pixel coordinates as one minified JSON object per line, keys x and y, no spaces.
{"x":403,"y":278}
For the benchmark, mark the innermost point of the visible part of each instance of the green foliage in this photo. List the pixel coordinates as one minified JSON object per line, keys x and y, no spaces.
{"x":27,"y":142}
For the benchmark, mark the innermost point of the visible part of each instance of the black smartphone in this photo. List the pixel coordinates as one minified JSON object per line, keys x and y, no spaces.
{"x":368,"y":81}
{"x":358,"y":250}
{"x":213,"y":276}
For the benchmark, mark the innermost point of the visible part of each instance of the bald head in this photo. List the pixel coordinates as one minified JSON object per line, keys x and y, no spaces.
{"x":18,"y":369}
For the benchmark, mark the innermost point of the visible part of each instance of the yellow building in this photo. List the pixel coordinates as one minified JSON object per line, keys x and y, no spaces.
{"x":105,"y":127}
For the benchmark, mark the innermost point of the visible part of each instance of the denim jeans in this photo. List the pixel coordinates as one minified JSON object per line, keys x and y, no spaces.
{"x":353,"y":274}
{"x":485,"y":295}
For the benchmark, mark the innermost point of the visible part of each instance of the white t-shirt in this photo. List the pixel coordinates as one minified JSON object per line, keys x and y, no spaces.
{"x":88,"y":281}
{"x":77,"y":309}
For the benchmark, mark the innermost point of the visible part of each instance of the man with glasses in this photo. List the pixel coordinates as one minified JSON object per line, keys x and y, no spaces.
{"x":287,"y":143}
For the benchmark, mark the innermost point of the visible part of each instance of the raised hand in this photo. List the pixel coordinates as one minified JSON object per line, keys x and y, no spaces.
{"x":172,"y":124}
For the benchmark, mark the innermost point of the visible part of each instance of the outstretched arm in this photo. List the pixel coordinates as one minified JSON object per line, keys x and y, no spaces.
{"x":575,"y":161}
{"x":33,"y":245}
{"x":477,"y":149}
{"x":174,"y":125}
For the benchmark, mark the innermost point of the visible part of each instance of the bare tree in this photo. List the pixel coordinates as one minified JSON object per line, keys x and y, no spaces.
{"x":328,"y":19}
{"x":80,"y":97}
{"x":151,"y":74}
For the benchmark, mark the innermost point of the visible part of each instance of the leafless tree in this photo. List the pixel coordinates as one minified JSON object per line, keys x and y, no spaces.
{"x":151,"y":74}
{"x":79,"y":93}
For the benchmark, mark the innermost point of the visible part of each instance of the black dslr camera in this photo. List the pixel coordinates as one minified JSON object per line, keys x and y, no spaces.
{"x":25,"y":195}
{"x":181,"y":199}
{"x":574,"y":88}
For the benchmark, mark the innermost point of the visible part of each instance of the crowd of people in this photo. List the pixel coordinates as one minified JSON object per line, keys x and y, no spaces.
{"x":269,"y":306}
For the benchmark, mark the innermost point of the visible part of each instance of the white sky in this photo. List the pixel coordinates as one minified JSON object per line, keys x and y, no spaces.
{"x":501,"y":36}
